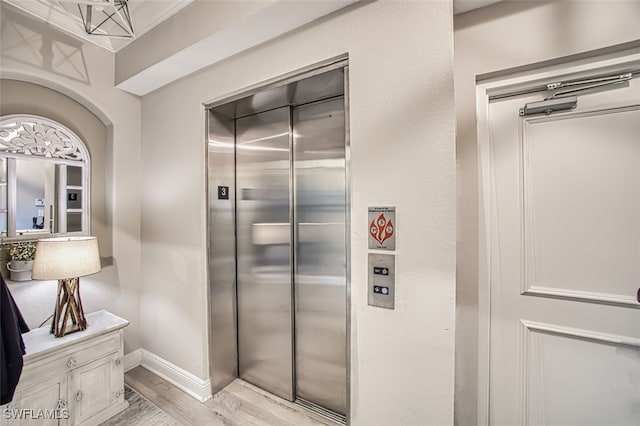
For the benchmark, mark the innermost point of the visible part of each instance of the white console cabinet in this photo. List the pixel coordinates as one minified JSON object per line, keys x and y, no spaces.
{"x":77,"y":379}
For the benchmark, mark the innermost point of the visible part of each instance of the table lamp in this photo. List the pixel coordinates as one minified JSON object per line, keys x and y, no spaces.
{"x":66,"y":259}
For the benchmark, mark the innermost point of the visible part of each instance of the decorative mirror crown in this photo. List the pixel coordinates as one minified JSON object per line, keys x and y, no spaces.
{"x":36,"y":136}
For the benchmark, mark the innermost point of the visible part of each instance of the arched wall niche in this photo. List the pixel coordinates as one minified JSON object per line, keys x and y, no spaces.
{"x":25,"y":97}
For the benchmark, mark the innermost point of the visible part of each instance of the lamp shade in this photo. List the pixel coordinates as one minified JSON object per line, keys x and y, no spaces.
{"x":66,"y":257}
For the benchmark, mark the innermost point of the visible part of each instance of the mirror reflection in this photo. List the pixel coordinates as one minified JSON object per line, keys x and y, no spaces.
{"x":44,"y":179}
{"x":35,"y":196}
{"x":3,"y":196}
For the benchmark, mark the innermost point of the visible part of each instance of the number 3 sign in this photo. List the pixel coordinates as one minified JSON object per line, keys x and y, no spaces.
{"x":223,"y":193}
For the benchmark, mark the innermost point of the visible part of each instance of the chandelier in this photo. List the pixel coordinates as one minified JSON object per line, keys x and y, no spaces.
{"x":109,"y":18}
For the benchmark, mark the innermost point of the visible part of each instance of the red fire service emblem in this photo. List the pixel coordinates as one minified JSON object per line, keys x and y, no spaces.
{"x":380,"y":229}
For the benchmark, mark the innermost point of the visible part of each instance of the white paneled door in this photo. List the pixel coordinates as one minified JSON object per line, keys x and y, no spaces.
{"x":563,"y":234}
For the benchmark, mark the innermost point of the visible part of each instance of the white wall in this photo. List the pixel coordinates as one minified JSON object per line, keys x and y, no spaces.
{"x":34,"y":52}
{"x":402,"y":139}
{"x":507,"y":35}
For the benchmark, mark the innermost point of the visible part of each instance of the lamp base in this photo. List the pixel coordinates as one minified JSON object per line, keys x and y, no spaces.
{"x":69,"y":315}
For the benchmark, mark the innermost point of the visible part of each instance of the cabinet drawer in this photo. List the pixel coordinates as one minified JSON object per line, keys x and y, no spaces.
{"x":71,"y":357}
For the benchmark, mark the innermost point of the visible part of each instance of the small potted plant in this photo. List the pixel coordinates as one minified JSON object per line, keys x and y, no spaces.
{"x":21,"y":257}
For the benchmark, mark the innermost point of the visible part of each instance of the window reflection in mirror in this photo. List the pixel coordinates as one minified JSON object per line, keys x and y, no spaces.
{"x":44,"y":179}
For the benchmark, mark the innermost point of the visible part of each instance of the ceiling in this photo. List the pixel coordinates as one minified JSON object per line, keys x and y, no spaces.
{"x":145,"y":14}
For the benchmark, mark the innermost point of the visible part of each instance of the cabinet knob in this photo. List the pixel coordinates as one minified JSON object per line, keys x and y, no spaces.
{"x":71,"y":362}
{"x":79,"y":396}
{"x":118,"y":361}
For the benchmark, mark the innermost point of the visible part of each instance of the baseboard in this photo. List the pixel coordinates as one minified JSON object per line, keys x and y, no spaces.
{"x":132,"y":360}
{"x":182,"y":379}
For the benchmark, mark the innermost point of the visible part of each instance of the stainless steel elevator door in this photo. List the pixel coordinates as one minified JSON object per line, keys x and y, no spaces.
{"x":263,"y":235}
{"x":319,"y":172}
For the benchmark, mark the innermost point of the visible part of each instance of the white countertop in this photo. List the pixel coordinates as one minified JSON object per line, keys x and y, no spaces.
{"x":40,"y":341}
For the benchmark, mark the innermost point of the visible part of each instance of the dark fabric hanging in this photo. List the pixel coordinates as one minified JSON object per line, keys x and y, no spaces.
{"x":12,"y":345}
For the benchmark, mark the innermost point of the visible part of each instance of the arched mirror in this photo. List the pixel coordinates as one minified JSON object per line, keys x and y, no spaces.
{"x":44,"y":179}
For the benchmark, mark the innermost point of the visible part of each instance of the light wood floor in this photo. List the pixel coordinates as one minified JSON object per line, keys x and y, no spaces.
{"x":240,"y":404}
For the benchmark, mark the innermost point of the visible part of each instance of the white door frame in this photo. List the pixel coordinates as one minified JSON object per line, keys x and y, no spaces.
{"x":486,"y":201}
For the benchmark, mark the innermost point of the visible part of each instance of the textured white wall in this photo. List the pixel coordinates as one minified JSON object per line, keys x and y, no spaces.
{"x":35,"y":52}
{"x":402,"y":138}
{"x":499,"y":37}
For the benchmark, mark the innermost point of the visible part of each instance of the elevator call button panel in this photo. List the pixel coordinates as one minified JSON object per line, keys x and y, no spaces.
{"x":379,"y":270}
{"x":382,"y":280}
